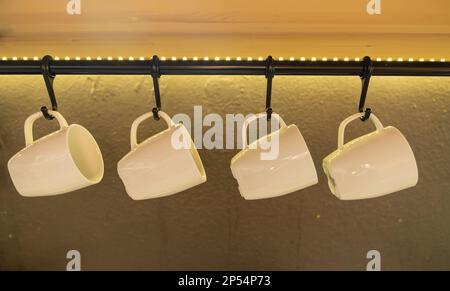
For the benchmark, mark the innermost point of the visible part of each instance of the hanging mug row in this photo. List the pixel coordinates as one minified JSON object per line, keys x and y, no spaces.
{"x":69,"y":159}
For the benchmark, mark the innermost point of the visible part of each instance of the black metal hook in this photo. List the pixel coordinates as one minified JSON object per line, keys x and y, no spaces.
{"x":155,"y":75}
{"x":365,"y":79}
{"x":48,"y":78}
{"x":270,"y":73}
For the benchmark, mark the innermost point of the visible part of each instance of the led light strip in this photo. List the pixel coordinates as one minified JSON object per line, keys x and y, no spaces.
{"x":206,"y":58}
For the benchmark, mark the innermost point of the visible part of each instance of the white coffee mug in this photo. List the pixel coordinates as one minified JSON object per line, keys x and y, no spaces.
{"x":63,"y":161}
{"x":372,"y":165}
{"x":164,"y":164}
{"x":290,"y":170}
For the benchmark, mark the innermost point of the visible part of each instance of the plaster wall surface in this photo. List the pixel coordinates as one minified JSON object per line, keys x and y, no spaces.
{"x":211,"y":226}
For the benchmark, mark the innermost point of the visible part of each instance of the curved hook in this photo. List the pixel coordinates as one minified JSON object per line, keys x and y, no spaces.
{"x":365,"y":79}
{"x":155,"y":75}
{"x":270,"y":73}
{"x":49,"y":77}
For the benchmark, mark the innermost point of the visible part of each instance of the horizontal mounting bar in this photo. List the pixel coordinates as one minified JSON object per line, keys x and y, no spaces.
{"x":223,"y":67}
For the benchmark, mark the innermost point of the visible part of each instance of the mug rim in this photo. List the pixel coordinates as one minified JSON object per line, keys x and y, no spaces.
{"x":194,"y":155}
{"x":99,"y":176}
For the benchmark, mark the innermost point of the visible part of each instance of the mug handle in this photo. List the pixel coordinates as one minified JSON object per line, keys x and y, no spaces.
{"x":134,"y":126}
{"x":349,"y":119}
{"x":28,"y":126}
{"x":252,"y":118}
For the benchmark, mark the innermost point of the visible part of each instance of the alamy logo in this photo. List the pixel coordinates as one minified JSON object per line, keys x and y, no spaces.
{"x":75,"y":260}
{"x":374,"y":7}
{"x":73,"y":7}
{"x":213,"y":138}
{"x":375,"y":260}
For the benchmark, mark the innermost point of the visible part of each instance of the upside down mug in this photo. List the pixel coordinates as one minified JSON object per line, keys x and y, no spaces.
{"x":290,"y":170}
{"x":63,"y":161}
{"x":372,"y":165}
{"x":164,"y":164}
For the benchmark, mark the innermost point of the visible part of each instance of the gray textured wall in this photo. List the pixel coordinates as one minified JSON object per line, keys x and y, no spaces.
{"x":211,"y":226}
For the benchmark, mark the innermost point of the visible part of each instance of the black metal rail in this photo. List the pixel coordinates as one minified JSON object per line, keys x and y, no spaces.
{"x":223,"y":67}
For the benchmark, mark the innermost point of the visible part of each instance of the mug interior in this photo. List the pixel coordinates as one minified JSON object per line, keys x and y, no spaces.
{"x":194,"y":154}
{"x":85,"y":153}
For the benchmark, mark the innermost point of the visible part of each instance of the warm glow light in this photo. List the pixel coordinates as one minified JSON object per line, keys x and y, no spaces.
{"x":313,"y":59}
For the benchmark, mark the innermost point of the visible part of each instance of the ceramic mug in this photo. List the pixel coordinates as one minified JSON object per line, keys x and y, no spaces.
{"x":63,"y":161}
{"x":372,"y":165}
{"x":291,"y":170}
{"x":164,"y":164}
